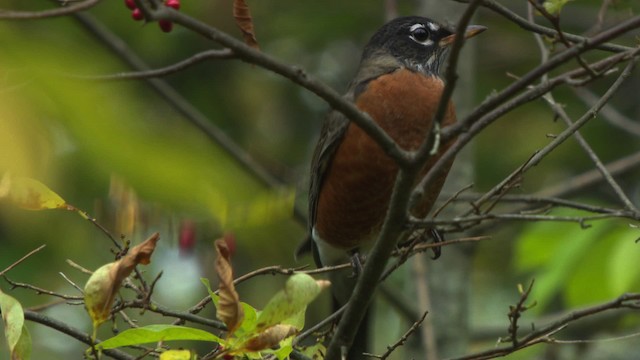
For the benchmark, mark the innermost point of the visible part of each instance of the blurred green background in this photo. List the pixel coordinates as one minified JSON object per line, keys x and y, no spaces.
{"x":77,"y":135}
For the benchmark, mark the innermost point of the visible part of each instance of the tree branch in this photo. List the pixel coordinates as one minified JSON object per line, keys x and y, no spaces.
{"x":167,"y":70}
{"x":542,"y":334}
{"x":74,"y":333}
{"x":530,"y":26}
{"x":33,"y":15}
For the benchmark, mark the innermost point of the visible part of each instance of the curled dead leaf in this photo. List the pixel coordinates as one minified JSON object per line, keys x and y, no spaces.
{"x":101,"y":288}
{"x":242,"y":15}
{"x":270,"y":337}
{"x":229,"y":307}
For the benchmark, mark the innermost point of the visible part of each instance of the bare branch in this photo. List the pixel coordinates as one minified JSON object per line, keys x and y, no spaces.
{"x":559,"y":110}
{"x":609,"y":113}
{"x":503,"y":108}
{"x":33,"y":15}
{"x":17,"y":262}
{"x":167,"y":70}
{"x":74,"y":333}
{"x":179,"y":103}
{"x":530,"y":26}
{"x":589,"y":178}
{"x":293,"y":73}
{"x":43,"y":291}
{"x":542,"y":334}
{"x":402,"y":340}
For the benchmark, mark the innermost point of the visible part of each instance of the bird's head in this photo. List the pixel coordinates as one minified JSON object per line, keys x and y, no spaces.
{"x":415,"y":42}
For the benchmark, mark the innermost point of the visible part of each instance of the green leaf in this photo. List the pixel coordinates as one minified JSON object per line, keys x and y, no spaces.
{"x":207,"y":284}
{"x":554,"y":7}
{"x":250,"y":313}
{"x":554,"y":252}
{"x":13,"y":318}
{"x":587,"y":283}
{"x":249,"y":322}
{"x":22,"y":350}
{"x":286,"y":306}
{"x":624,"y":271}
{"x":285,"y":349}
{"x":155,"y":333}
{"x":315,"y":351}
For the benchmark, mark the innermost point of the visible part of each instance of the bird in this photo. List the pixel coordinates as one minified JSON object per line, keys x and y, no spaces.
{"x":398,"y":84}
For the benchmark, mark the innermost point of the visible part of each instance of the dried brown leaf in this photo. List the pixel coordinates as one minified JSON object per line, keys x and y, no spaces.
{"x":125,"y":200}
{"x":102,"y":287}
{"x":242,"y":15}
{"x":229,"y":308}
{"x":270,"y":337}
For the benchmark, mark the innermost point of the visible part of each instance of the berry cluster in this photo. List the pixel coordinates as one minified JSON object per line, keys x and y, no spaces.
{"x":136,"y":13}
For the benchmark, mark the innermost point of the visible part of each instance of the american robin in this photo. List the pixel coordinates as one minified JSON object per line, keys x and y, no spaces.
{"x":352,"y":178}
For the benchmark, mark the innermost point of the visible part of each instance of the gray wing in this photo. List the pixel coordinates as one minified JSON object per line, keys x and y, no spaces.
{"x":333,"y":129}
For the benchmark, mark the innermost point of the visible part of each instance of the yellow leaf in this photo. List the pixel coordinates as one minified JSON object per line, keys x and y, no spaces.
{"x":176,"y":355}
{"x":30,"y":194}
{"x":127,"y":206}
{"x":229,"y":309}
{"x":99,"y":292}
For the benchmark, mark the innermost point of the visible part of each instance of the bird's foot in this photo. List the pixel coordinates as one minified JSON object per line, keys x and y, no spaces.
{"x":356,"y":263}
{"x":437,"y":238}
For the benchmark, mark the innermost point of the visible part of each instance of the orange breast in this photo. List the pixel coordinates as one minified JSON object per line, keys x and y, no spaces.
{"x":357,"y":186}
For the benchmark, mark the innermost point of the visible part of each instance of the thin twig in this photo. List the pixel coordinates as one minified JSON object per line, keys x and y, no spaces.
{"x":542,"y":334}
{"x":326,"y":321}
{"x":479,"y":121}
{"x":17,"y":262}
{"x":529,"y":26}
{"x":581,"y":220}
{"x":167,"y":70}
{"x":515,"y":312}
{"x":181,"y":105}
{"x":402,"y":340}
{"x":609,"y":113}
{"x":559,"y":110}
{"x":79,"y":267}
{"x":293,"y":73}
{"x":33,"y":15}
{"x":39,"y":290}
{"x":71,"y":282}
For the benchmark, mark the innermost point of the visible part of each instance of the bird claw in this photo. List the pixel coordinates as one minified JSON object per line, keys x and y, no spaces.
{"x":437,"y":238}
{"x":356,"y":264}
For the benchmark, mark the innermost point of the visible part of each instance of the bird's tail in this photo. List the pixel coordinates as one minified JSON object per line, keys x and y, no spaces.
{"x":342,"y":284}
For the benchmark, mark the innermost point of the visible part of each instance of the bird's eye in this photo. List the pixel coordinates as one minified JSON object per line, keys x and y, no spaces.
{"x":419,"y":34}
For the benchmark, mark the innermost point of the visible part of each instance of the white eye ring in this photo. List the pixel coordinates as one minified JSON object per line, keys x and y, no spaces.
{"x":422,"y":30}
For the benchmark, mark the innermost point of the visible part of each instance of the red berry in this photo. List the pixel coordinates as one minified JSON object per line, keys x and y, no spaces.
{"x":137,"y":14}
{"x":165,"y":25}
{"x":130,"y":4}
{"x":173,"y":4}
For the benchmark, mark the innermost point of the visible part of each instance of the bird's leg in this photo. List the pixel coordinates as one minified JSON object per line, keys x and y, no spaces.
{"x":421,"y":236}
{"x":436,"y":139}
{"x":437,"y":238}
{"x":356,"y":262}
